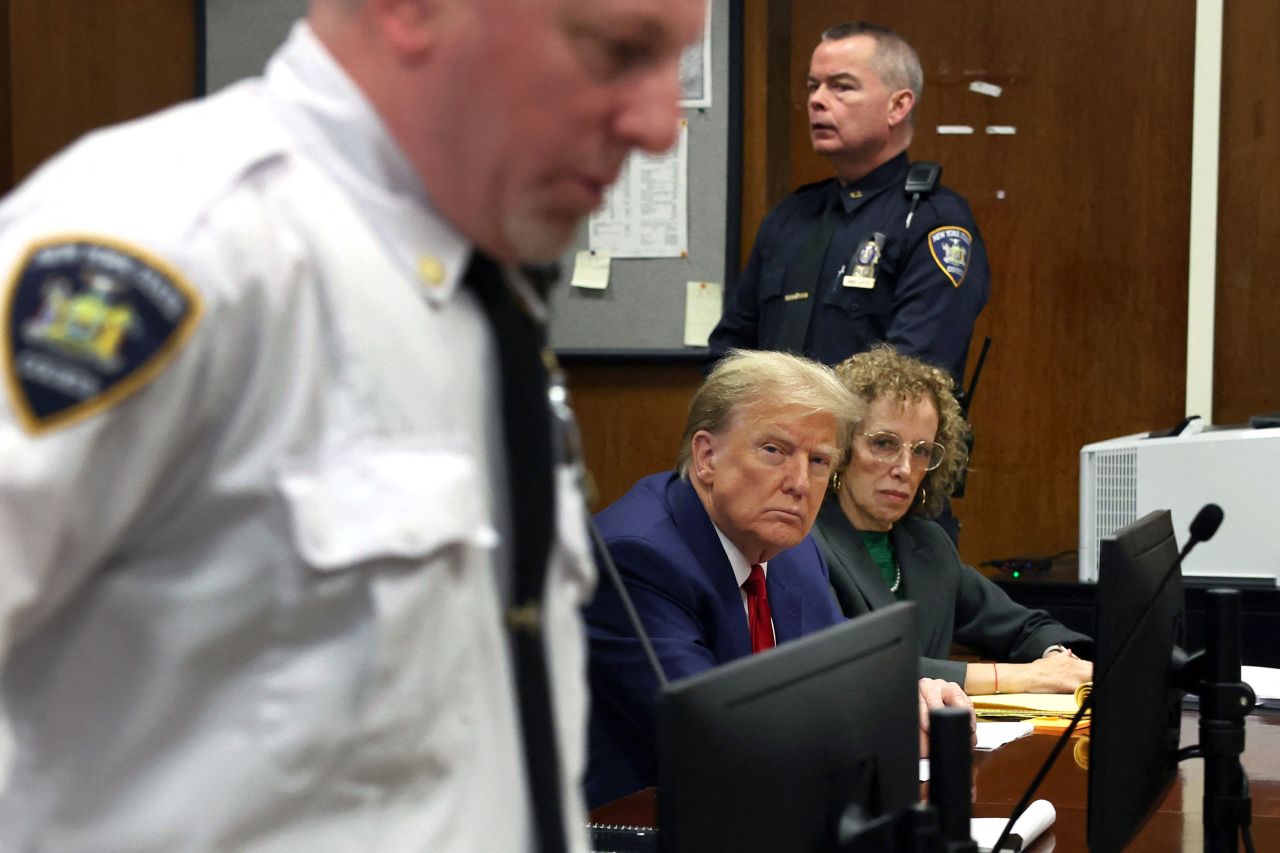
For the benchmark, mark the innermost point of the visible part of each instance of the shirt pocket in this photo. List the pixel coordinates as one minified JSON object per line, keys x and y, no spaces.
{"x":874,"y":302}
{"x":384,"y":501}
{"x":383,"y":646}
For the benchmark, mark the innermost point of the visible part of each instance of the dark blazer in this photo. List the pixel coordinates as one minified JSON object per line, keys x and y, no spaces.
{"x":953,"y":601}
{"x":686,"y":594}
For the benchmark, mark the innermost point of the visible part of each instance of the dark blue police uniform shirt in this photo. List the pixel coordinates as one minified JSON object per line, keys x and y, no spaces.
{"x":930,"y":281}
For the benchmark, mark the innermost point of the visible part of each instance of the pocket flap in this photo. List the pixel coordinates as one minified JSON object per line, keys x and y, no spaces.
{"x":377,"y":501}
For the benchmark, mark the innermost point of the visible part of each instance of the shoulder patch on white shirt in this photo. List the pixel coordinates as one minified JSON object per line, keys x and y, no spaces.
{"x":87,"y":322}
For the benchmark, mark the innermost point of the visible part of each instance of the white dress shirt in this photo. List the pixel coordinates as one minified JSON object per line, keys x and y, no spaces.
{"x":741,"y":570}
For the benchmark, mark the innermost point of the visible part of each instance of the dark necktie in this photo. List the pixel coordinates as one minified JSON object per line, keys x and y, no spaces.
{"x":527,"y":436}
{"x":759,"y":616}
{"x":804,"y":286}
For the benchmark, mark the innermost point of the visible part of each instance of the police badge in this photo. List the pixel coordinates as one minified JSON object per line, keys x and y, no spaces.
{"x":88,"y":322}
{"x":862,"y":267}
{"x":950,"y":247}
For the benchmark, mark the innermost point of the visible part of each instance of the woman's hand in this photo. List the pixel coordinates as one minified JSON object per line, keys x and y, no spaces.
{"x":1061,"y":672}
{"x":936,"y":693}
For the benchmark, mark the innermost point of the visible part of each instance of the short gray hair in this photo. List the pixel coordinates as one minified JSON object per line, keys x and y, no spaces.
{"x":746,"y":377}
{"x":894,"y":60}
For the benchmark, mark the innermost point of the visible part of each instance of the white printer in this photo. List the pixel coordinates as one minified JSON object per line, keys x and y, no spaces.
{"x":1123,"y":479}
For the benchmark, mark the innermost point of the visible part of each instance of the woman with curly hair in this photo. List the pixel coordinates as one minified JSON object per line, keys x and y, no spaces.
{"x":904,"y":460}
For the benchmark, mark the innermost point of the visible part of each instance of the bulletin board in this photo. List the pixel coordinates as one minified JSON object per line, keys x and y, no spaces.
{"x":641,"y":314}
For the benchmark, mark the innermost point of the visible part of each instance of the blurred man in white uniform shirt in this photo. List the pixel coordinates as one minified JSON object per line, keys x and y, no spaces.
{"x":255,"y":546}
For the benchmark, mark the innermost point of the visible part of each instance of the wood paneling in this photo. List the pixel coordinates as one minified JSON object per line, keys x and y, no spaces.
{"x":6,"y":111}
{"x":1085,"y":216}
{"x":632,"y":416}
{"x":766,"y":146}
{"x":80,"y":64}
{"x":1246,"y":376}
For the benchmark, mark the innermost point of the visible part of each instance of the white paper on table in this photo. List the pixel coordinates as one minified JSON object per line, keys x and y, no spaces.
{"x":993,"y":735}
{"x":1038,"y":817}
{"x":1265,"y":681}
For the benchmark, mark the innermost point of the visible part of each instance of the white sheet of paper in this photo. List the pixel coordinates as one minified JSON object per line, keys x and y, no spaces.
{"x":703,"y":301}
{"x":1038,"y":817}
{"x":591,"y":269}
{"x":695,"y":69}
{"x":646,"y":213}
{"x":1265,"y":681}
{"x":993,"y":735}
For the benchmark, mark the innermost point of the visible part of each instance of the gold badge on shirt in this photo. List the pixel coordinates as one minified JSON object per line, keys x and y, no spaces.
{"x":866,"y":260}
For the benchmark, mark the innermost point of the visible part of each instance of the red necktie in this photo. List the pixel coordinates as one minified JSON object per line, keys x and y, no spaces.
{"x":759,"y":617}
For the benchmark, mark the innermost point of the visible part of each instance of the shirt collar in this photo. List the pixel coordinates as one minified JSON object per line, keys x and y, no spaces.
{"x":339,"y":128}
{"x":891,"y":172}
{"x":737,"y":562}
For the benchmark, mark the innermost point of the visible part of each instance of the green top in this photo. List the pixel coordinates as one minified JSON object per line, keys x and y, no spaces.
{"x":881,"y":550}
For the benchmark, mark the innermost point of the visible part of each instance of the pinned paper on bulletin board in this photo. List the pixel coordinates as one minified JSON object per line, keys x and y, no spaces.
{"x":703,"y":303}
{"x":646,"y":213}
{"x":591,"y":269}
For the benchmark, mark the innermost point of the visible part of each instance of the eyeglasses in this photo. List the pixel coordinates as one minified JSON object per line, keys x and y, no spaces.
{"x":887,"y":447}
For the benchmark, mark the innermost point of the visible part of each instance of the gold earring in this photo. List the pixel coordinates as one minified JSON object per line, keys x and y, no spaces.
{"x":924,"y":495}
{"x":836,"y":482}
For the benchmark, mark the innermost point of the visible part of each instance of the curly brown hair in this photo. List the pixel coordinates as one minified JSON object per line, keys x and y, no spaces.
{"x":883,"y":371}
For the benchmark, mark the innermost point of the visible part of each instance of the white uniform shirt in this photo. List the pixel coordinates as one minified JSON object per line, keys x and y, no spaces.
{"x":255,"y":603}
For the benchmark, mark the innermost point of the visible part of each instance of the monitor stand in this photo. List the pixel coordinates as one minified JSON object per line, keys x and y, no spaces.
{"x":1225,"y":700}
{"x":939,"y":826}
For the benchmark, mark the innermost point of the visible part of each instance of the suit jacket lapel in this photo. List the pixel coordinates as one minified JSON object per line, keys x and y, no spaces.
{"x":851,"y":558}
{"x":784,"y":600}
{"x":699,"y":534}
{"x":920,"y":574}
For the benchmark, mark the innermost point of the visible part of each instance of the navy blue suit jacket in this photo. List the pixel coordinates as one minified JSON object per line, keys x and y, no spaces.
{"x":688,"y":599}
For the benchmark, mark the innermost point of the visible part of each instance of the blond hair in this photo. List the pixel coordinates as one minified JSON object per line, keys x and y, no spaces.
{"x":746,"y":377}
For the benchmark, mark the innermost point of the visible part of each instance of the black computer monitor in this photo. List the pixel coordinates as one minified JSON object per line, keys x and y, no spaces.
{"x":766,"y":753}
{"x":1137,"y":707}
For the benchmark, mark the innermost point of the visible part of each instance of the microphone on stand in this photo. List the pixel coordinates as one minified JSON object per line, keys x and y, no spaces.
{"x":1202,"y":528}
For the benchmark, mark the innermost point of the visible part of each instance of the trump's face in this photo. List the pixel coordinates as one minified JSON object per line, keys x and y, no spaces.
{"x":762,"y":478}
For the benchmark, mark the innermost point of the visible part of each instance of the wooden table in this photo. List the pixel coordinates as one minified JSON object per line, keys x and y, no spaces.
{"x":1001,"y":776}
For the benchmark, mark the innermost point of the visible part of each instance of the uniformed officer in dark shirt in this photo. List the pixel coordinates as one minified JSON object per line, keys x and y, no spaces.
{"x":848,"y":262}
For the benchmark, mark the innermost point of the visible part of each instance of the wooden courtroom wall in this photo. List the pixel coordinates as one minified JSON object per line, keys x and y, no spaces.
{"x":74,"y":65}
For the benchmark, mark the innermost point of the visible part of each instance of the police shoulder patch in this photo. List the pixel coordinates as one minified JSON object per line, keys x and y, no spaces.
{"x":951,"y":247}
{"x":87,"y":322}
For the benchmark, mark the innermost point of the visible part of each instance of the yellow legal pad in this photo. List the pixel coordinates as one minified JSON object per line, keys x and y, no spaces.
{"x":1051,"y":709}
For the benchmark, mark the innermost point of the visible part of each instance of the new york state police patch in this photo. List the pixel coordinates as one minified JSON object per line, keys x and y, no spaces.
{"x":951,"y":247}
{"x":87,"y":322}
